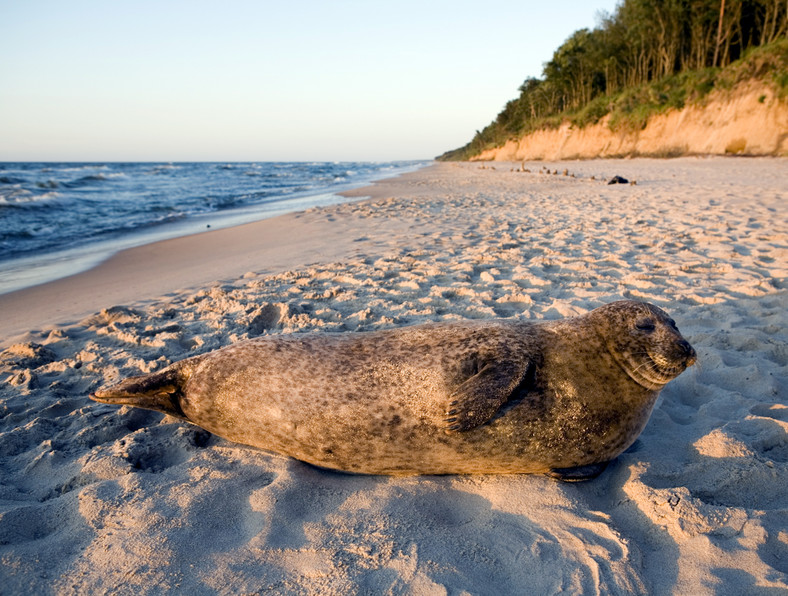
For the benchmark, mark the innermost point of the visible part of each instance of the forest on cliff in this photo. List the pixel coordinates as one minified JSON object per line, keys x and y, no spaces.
{"x":645,"y":57}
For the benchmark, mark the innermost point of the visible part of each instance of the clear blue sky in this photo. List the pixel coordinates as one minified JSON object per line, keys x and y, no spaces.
{"x":107,"y":80}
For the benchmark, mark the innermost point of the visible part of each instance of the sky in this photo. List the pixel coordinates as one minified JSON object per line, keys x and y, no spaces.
{"x":244,"y":80}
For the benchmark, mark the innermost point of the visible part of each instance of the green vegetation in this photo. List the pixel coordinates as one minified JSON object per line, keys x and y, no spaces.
{"x":646,"y":58}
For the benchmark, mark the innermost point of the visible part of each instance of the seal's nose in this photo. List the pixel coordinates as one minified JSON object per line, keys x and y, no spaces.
{"x":689,"y":351}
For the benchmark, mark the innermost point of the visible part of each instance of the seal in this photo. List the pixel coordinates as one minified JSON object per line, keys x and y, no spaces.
{"x":560,"y":397}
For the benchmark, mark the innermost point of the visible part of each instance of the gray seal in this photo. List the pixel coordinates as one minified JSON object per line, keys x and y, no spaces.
{"x":472,"y":397}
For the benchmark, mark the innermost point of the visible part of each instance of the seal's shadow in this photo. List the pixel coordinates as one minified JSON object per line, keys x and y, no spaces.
{"x":457,"y":531}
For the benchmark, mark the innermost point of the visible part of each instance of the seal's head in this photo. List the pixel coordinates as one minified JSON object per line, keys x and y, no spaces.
{"x":644,"y":341}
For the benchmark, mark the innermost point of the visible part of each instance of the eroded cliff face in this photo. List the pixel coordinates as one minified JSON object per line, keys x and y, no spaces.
{"x":748,"y":120}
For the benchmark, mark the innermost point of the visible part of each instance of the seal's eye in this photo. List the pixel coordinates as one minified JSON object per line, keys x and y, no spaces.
{"x":647,"y":325}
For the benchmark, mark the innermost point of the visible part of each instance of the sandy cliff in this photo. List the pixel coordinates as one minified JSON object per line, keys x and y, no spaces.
{"x":750,"y":120}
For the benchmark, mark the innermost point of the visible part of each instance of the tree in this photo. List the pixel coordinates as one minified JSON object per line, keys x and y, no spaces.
{"x":640,"y":42}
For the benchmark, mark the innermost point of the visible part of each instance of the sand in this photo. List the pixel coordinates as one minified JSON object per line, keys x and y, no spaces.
{"x":100,"y":499}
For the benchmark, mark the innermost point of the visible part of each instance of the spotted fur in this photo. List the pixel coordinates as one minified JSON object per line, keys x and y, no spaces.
{"x":496,"y":396}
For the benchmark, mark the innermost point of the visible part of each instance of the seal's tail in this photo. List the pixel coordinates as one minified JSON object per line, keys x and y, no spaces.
{"x":160,"y":391}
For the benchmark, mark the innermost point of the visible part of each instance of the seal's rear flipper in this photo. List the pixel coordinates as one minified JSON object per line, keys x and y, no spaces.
{"x":579,"y":473}
{"x":159,"y":391}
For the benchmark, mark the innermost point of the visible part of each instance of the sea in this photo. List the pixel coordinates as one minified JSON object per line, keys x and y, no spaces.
{"x":57,"y":219}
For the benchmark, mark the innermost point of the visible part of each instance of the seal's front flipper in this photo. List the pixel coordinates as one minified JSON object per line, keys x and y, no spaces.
{"x":156,"y":391}
{"x":579,"y":473}
{"x":475,"y":401}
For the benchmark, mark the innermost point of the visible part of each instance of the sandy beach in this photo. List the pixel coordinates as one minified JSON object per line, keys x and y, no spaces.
{"x":106,"y":500}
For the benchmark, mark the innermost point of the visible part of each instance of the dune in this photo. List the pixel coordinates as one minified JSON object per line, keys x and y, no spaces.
{"x":102,"y":499}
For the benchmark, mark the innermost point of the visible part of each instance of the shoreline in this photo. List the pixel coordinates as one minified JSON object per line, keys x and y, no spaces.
{"x":93,"y":494}
{"x":149,"y":271}
{"x":28,"y":271}
{"x":145,"y":272}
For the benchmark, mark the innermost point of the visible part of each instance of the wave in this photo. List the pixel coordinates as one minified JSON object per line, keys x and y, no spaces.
{"x":226,"y":202}
{"x":162,"y":169}
{"x":144,"y":224}
{"x":79,"y":168}
{"x":22,"y":198}
{"x":84,"y":181}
